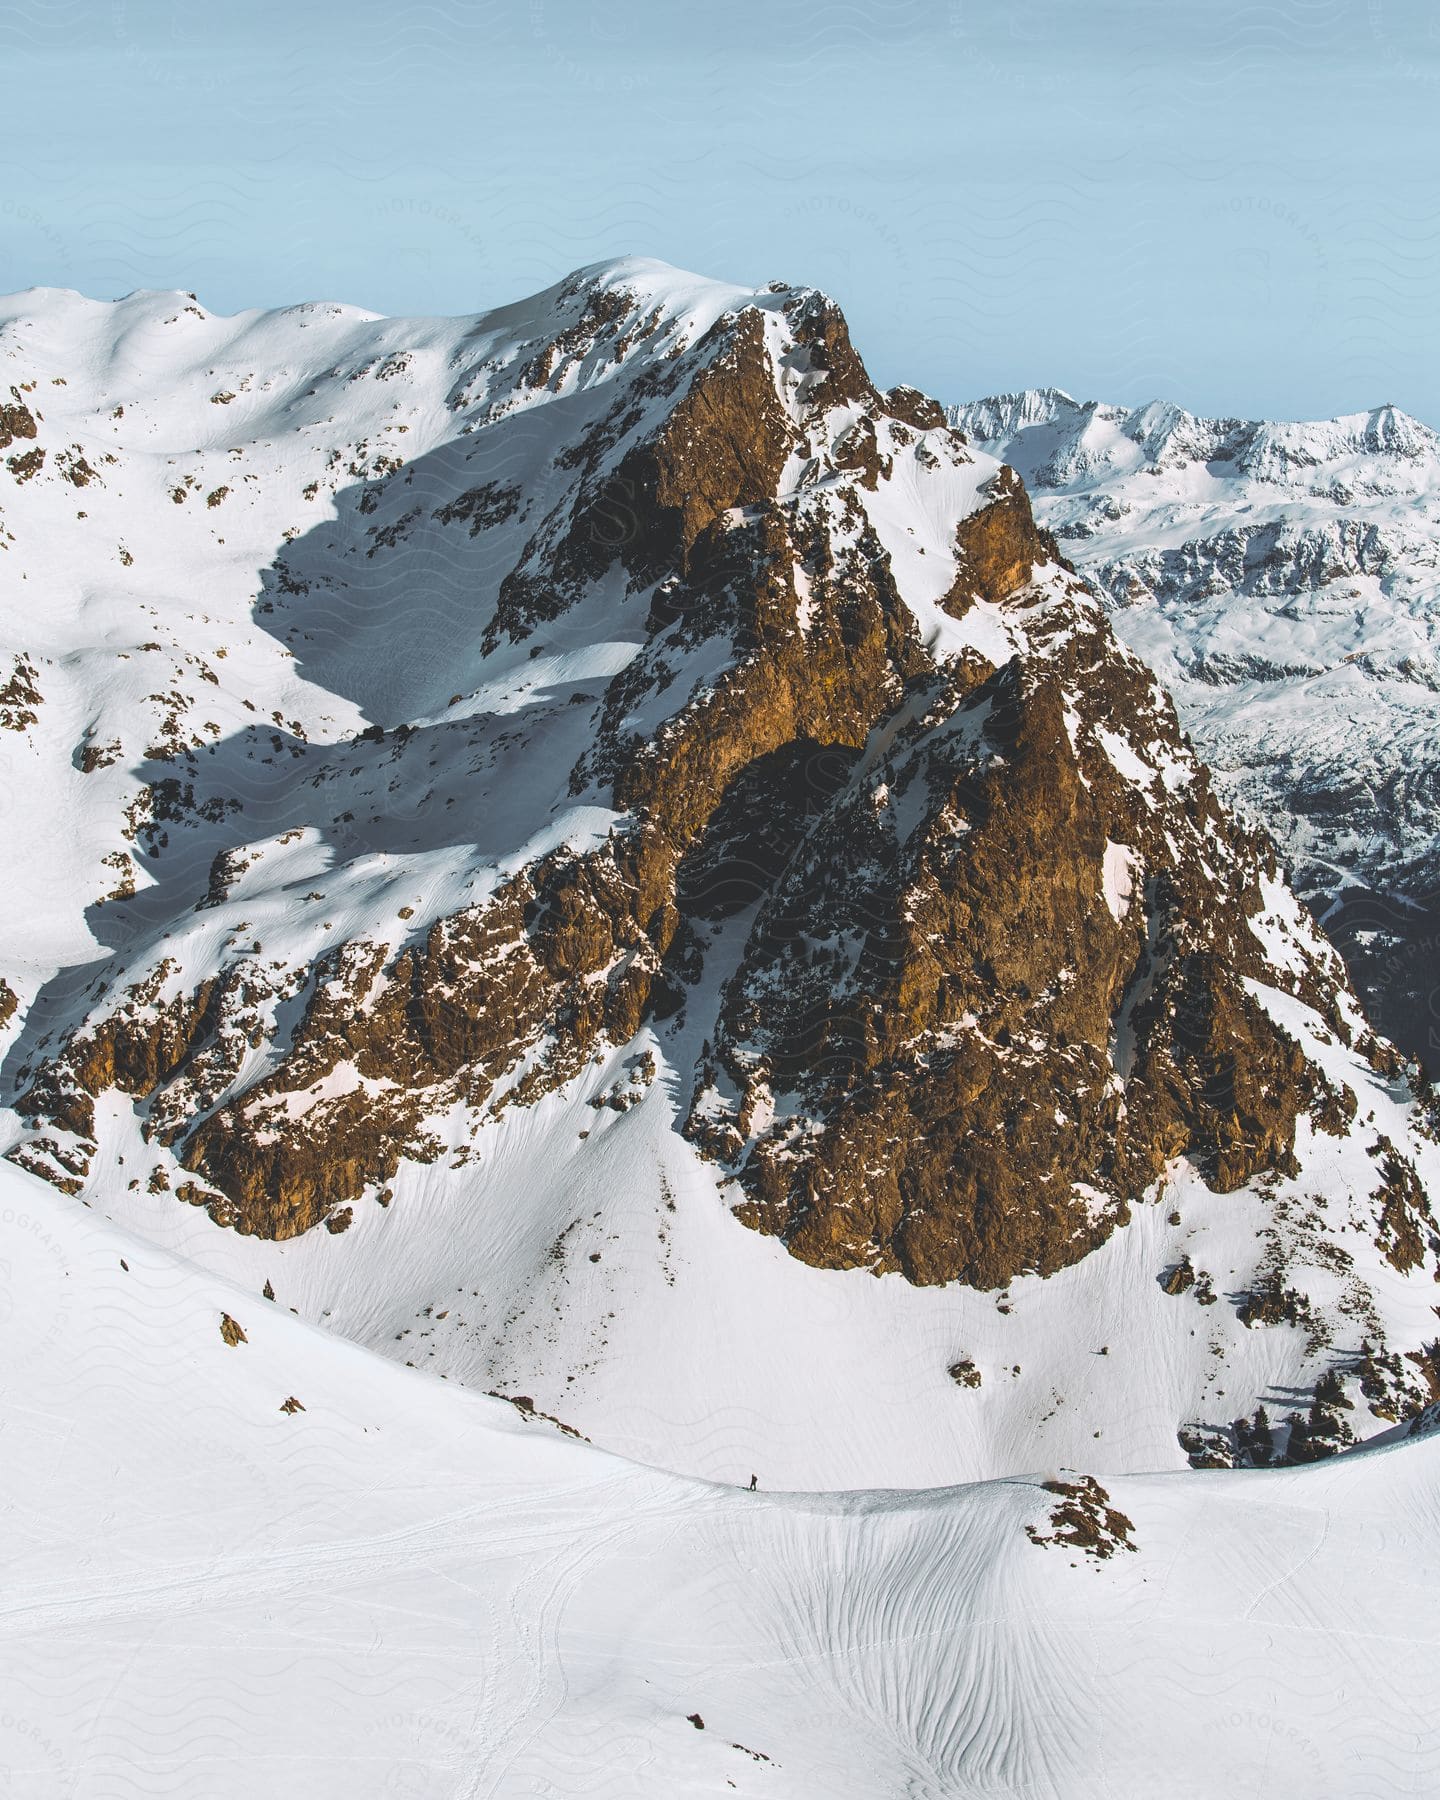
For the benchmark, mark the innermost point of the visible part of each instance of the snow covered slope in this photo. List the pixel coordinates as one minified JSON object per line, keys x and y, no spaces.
{"x":499,"y":806}
{"x":1284,"y":582}
{"x":245,"y":1556}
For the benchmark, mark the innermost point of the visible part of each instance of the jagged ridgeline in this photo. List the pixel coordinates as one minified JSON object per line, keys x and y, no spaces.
{"x":830,"y":785}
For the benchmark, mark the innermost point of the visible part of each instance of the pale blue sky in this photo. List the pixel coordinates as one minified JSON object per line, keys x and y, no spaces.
{"x":1234,"y":206}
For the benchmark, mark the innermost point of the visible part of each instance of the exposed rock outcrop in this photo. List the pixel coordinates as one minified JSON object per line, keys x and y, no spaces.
{"x":1002,"y":957}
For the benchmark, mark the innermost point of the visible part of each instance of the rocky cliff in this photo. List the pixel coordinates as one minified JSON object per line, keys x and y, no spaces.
{"x":658,"y":698}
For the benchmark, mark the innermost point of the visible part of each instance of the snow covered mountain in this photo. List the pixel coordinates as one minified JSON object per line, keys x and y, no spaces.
{"x":1284,"y":582}
{"x":248,"y":1557}
{"x":592,"y":852}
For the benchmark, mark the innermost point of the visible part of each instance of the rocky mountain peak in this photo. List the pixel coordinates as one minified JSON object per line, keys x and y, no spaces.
{"x":614,"y":707}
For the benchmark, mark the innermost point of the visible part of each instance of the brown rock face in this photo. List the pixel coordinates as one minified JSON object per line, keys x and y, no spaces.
{"x":381,"y":1045}
{"x":914,"y":408}
{"x":723,"y":446}
{"x":999,"y":546}
{"x":20,"y":696}
{"x":1000,"y":986}
{"x":16,"y":421}
{"x":1084,"y":1520}
{"x":996,"y":976}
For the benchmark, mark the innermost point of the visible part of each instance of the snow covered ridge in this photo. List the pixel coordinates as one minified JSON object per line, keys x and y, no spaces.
{"x":536,"y":794}
{"x":1282,"y":580}
{"x":334,"y":1577}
